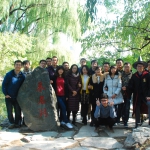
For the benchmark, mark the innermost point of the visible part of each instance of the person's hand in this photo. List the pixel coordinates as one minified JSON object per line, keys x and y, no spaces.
{"x":79,"y":84}
{"x":114,"y":96}
{"x":123,"y":88}
{"x":148,"y":98}
{"x":89,"y":86}
{"x":74,"y":93}
{"x":111,"y":103}
{"x":51,"y":81}
{"x":7,"y":96}
{"x":97,"y":102}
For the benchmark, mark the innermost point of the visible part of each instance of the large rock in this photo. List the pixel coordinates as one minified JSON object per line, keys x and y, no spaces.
{"x":101,"y":143}
{"x":138,"y":137}
{"x":37,"y":100}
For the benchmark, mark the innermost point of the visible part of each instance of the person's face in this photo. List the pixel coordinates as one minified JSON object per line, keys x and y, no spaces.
{"x":43,"y":64}
{"x":98,"y":71}
{"x":18,"y":66}
{"x":148,"y":66}
{"x":83,"y":62}
{"x":94,"y":65}
{"x":113,"y":70}
{"x":26,"y":66}
{"x":104,"y":102}
{"x":48,"y":62}
{"x":54,"y":61}
{"x":84,"y":70}
{"x":60,"y":71}
{"x":127,"y":68}
{"x":106,"y":67}
{"x":74,"y":69}
{"x":140,"y":68}
{"x":119,"y":64}
{"x":66,"y":66}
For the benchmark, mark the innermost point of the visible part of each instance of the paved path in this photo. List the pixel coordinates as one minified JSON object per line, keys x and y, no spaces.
{"x":80,"y":138}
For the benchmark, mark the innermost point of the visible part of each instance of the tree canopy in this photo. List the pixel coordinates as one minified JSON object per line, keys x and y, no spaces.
{"x":128,"y":31}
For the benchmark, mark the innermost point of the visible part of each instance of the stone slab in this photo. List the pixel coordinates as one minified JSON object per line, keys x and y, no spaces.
{"x":82,"y":148}
{"x":101,"y":142}
{"x":57,"y":144}
{"x":10,"y":136}
{"x":40,"y":136}
{"x":118,"y":133}
{"x":85,"y":131}
{"x":68,"y":134}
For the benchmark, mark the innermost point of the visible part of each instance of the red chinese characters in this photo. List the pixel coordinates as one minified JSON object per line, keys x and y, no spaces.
{"x":40,"y":87}
{"x":41,"y":101}
{"x":43,"y":112}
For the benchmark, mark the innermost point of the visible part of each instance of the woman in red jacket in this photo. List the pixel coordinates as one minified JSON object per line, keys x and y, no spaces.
{"x":60,"y":87}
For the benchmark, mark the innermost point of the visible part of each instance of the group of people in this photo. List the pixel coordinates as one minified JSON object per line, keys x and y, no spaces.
{"x":104,"y":92}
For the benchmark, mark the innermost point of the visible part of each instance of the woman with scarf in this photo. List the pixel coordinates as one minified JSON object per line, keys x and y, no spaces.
{"x":74,"y":86}
{"x":85,"y":92}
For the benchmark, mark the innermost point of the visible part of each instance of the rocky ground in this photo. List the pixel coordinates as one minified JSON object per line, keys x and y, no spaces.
{"x":79,"y":138}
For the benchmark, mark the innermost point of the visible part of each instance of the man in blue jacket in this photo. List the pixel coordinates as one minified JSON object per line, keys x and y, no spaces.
{"x":10,"y":87}
{"x":105,"y":113}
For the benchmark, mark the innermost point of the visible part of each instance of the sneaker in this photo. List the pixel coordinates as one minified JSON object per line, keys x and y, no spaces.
{"x":69,"y":125}
{"x":11,"y":126}
{"x":91,"y":123}
{"x":115,"y":124}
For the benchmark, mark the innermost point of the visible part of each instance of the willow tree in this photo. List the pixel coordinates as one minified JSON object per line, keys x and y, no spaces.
{"x":129,"y":31}
{"x":40,"y":21}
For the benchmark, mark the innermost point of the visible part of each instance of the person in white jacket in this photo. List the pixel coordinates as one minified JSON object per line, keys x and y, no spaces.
{"x":112,"y":87}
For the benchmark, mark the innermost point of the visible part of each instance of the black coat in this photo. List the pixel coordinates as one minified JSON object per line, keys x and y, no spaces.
{"x":97,"y":90}
{"x":140,"y":87}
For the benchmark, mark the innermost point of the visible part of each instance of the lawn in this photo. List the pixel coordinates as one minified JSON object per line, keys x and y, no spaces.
{"x":3,"y":113}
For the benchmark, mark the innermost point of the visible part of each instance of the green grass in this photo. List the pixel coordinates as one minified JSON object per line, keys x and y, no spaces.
{"x":3,"y":112}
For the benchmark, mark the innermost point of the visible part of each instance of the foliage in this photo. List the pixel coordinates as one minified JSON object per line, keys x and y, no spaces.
{"x":129,"y":31}
{"x":3,"y":112}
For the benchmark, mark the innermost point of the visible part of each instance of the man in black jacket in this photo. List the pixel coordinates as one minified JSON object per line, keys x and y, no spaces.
{"x":140,"y":86}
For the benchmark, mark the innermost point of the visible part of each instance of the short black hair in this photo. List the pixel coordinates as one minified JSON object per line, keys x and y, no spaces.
{"x":26,"y":62}
{"x":112,"y":68}
{"x":106,"y":63}
{"x":18,"y":61}
{"x":65,"y":62}
{"x":87,"y":68}
{"x":43,"y":60}
{"x":103,"y":96}
{"x":119,"y":59}
{"x":94,"y":61}
{"x":55,"y":57}
{"x":82,"y":59}
{"x":127,"y":63}
{"x":48,"y":58}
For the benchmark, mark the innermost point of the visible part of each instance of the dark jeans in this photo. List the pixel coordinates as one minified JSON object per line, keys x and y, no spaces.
{"x":104,"y":121}
{"x":62,"y":105}
{"x":126,"y":110}
{"x":119,"y":111}
{"x":93,"y":110}
{"x":84,"y":110}
{"x":10,"y":104}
